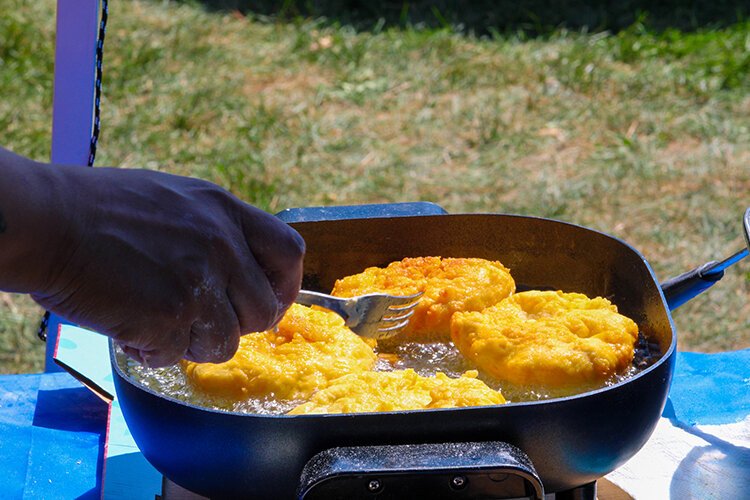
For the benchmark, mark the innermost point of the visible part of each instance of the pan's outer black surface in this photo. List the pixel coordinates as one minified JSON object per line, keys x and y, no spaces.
{"x":571,"y":441}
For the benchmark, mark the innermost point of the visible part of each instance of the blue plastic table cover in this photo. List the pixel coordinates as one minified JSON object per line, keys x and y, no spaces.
{"x":52,"y":432}
{"x":52,"y":429}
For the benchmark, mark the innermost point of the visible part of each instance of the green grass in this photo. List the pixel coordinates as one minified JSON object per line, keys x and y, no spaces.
{"x":642,"y":134}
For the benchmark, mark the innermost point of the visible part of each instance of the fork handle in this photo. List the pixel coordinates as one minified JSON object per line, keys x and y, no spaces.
{"x":335,"y":304}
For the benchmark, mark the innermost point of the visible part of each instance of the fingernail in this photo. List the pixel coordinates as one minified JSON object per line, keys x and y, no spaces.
{"x":145,"y":359}
{"x":277,"y":302}
{"x":281,"y":309}
{"x":132,"y":353}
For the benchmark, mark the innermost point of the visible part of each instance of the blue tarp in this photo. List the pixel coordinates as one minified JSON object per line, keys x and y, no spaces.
{"x":52,"y":432}
{"x":52,"y":429}
{"x":710,"y":389}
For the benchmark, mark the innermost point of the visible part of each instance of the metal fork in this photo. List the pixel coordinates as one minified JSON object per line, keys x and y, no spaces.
{"x":375,"y":315}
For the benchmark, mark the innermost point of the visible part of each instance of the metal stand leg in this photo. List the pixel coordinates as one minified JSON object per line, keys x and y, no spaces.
{"x":585,"y":492}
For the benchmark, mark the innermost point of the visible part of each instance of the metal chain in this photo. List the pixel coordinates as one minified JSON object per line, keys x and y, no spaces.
{"x":98,"y":81}
{"x":44,"y":324}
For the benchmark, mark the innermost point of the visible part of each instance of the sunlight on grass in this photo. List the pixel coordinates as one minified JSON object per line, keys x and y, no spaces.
{"x":644,"y":135}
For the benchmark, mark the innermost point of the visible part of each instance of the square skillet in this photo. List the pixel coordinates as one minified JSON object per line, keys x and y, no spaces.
{"x":570,"y":441}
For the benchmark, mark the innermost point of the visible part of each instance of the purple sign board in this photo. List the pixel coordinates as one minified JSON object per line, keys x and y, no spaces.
{"x":73,"y":100}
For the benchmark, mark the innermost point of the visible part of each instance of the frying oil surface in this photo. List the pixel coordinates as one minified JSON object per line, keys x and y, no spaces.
{"x":424,"y":358}
{"x":173,"y":382}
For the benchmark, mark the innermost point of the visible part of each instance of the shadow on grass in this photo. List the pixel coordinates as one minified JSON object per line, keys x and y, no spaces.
{"x":533,"y":17}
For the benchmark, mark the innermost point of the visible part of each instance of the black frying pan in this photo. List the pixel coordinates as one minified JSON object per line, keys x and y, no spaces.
{"x":570,"y":441}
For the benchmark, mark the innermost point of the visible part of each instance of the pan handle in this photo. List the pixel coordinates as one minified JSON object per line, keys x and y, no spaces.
{"x":315,"y":214}
{"x":684,"y":287}
{"x":434,"y":470}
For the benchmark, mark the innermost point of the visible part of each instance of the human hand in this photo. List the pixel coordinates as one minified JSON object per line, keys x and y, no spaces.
{"x":168,"y":266}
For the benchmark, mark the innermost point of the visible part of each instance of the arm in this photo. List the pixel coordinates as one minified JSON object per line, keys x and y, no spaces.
{"x":29,"y":227}
{"x":168,"y":266}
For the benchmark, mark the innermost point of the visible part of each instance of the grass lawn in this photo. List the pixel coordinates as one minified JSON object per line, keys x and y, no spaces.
{"x":643,"y":135}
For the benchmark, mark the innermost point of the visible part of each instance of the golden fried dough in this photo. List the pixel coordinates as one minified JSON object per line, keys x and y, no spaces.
{"x":448,"y":285}
{"x":553,"y":339}
{"x":311,"y":348}
{"x":399,"y":391}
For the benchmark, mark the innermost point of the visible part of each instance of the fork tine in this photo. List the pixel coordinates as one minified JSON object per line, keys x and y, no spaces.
{"x":398,"y":300}
{"x":394,"y":328}
{"x":398,"y":317}
{"x":377,"y":315}
{"x":407,"y":307}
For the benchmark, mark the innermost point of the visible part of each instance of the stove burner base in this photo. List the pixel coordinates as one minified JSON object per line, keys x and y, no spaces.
{"x":489,"y":469}
{"x":171,"y":491}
